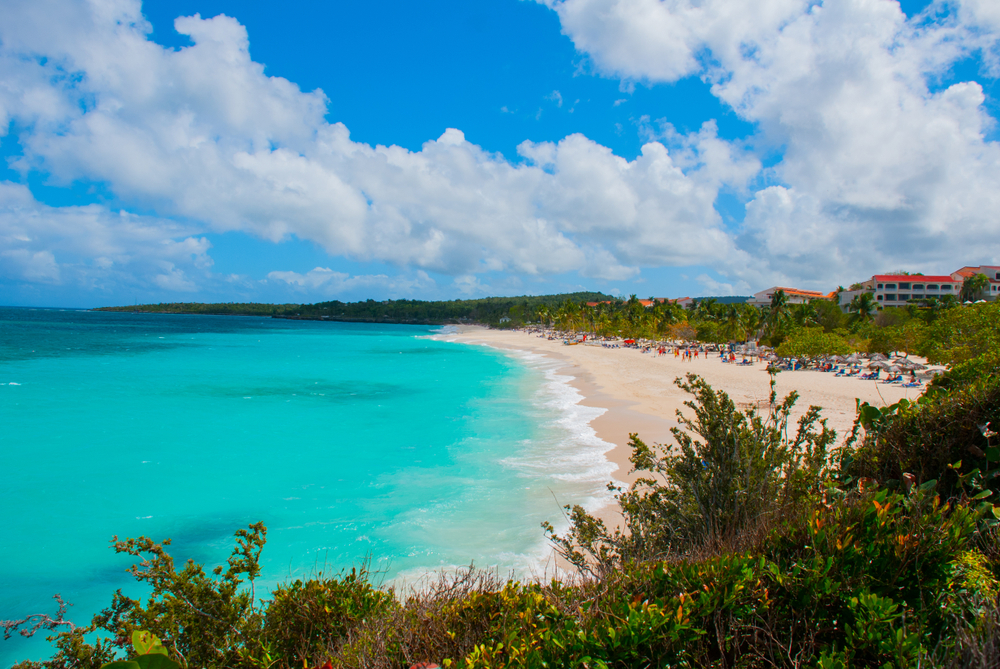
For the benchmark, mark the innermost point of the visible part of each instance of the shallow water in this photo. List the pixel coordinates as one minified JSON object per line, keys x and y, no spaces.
{"x":348,"y":440}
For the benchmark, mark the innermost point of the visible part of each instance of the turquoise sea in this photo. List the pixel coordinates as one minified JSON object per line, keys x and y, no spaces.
{"x":348,"y":440}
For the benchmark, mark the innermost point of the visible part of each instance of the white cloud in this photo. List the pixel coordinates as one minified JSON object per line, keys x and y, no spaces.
{"x":878,"y":169}
{"x":94,"y":248}
{"x":711,"y":286}
{"x":325,"y":281}
{"x":313,"y":279}
{"x":39,"y":266}
{"x":202,"y":134}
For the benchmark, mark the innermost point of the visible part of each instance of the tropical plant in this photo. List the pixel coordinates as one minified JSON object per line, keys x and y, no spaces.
{"x":804,"y":315}
{"x":811,"y":344}
{"x":863,"y":305}
{"x":776,"y":317}
{"x":743,"y":467}
{"x":973,"y":287}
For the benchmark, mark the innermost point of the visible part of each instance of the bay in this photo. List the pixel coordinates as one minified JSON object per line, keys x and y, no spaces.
{"x":351,"y":442}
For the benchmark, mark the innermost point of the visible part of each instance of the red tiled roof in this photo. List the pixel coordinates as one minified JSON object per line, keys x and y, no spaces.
{"x":803,"y":293}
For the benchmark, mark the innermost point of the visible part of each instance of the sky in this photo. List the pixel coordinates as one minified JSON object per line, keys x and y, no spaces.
{"x":234,"y":150}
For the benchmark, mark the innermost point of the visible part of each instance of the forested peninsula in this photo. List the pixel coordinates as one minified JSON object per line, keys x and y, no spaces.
{"x":486,"y":311}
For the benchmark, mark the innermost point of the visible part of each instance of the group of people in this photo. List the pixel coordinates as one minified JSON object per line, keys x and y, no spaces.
{"x":876,"y":374}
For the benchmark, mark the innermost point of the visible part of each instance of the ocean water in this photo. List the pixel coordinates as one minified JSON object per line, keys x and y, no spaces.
{"x":349,"y":441}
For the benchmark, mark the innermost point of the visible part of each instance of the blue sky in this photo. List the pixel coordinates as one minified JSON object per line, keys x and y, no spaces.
{"x":334,"y":150}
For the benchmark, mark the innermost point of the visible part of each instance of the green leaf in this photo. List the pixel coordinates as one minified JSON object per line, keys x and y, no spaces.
{"x":121,"y":664}
{"x":870,"y":414}
{"x":928,"y":485}
{"x":146,"y":642}
{"x":156,"y":661}
{"x":983,"y":495}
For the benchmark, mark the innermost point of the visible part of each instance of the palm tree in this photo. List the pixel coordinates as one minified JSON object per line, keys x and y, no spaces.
{"x":804,"y":314}
{"x":749,"y":321}
{"x":864,"y":306}
{"x":777,"y":313}
{"x":972,"y":287}
{"x":544,"y":315}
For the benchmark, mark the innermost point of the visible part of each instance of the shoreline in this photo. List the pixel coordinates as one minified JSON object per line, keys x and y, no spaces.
{"x":637,"y":391}
{"x":620,"y":418}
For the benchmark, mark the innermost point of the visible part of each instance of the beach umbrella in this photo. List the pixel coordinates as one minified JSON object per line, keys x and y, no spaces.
{"x":878,"y":364}
{"x":910,"y":365}
{"x":853,"y":359}
{"x":838,"y":358}
{"x":895,"y":369}
{"x":878,"y":356}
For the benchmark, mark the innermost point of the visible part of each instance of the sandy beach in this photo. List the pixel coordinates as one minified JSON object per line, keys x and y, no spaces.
{"x":639,"y":393}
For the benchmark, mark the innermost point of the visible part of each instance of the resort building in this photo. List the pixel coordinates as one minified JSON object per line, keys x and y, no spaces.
{"x":992,"y":274}
{"x":897,"y":290}
{"x":683,"y":301}
{"x":794,"y":295}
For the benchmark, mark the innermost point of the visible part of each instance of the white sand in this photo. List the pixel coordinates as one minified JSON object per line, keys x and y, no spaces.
{"x":639,"y":392}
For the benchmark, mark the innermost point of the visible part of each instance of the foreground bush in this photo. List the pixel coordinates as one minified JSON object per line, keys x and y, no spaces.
{"x":733,"y":469}
{"x":948,"y":435}
{"x":865,"y":579}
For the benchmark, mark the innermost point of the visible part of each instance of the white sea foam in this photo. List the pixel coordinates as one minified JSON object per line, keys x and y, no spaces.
{"x":565,"y":456}
{"x":572,"y":451}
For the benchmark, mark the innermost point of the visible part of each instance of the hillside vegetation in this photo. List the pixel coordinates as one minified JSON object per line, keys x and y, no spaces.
{"x":488,"y":310}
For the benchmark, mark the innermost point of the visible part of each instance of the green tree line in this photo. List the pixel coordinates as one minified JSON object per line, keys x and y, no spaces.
{"x":496,"y":311}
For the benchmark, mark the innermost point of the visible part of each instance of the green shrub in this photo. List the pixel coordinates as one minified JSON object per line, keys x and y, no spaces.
{"x":744,"y":467}
{"x":941,"y":437}
{"x":308,"y":620}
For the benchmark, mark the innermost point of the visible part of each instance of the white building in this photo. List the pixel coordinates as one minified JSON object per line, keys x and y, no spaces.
{"x":794,"y":295}
{"x":897,"y":290}
{"x":991,"y":272}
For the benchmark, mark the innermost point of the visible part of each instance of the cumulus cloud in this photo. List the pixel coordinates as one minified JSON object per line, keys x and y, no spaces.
{"x":201,"y":133}
{"x":94,"y":248}
{"x":878,"y":168}
{"x":325,"y":281}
